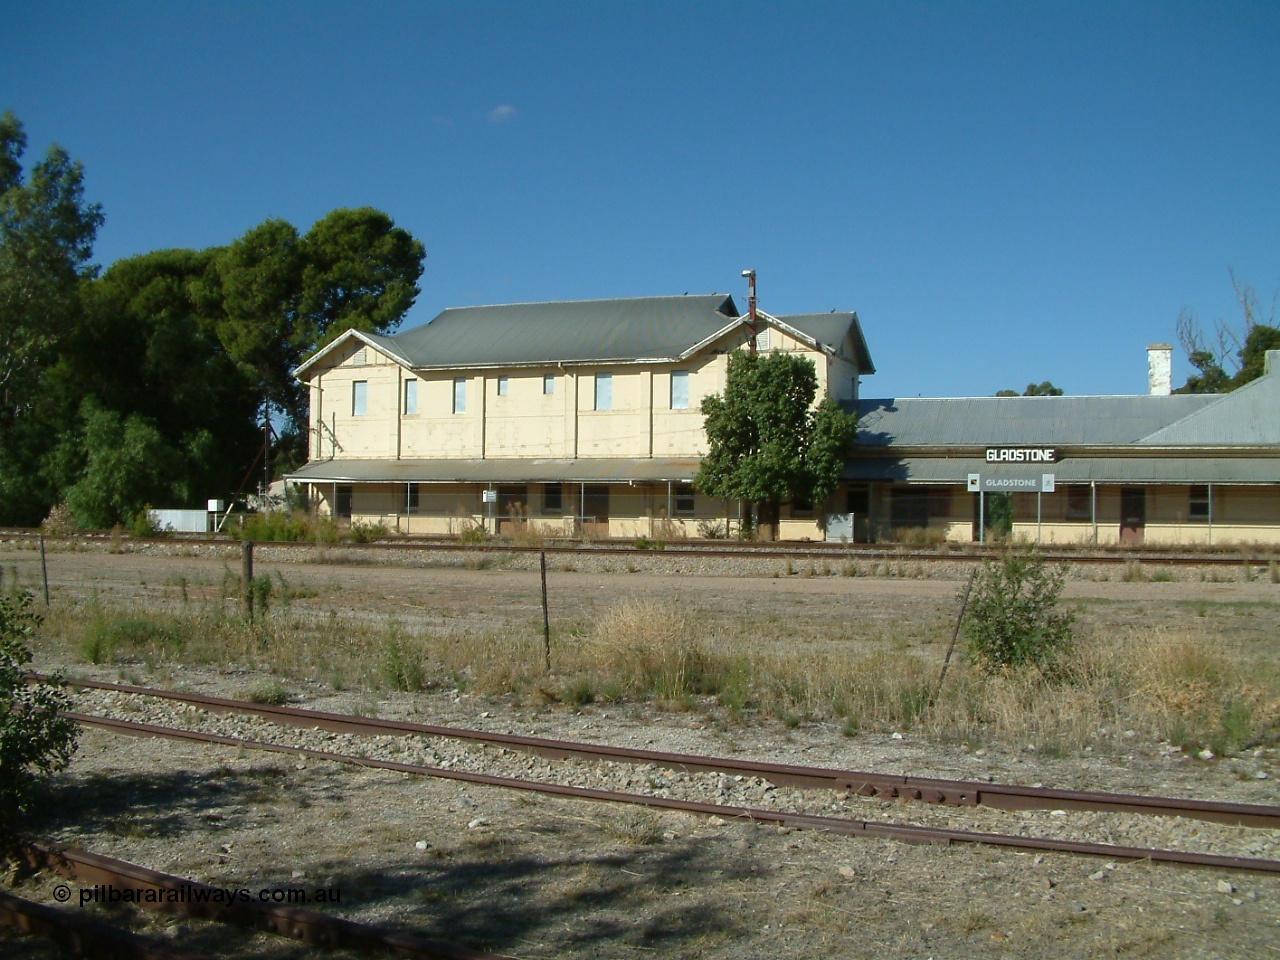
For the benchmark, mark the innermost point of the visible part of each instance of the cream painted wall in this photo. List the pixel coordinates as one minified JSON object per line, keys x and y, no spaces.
{"x":526,"y":423}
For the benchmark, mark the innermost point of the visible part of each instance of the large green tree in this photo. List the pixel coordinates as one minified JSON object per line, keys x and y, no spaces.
{"x":273,"y":297}
{"x":768,"y":442}
{"x":46,"y":240}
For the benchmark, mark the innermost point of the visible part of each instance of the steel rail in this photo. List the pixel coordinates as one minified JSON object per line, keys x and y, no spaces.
{"x":195,"y":899}
{"x":838,"y":825}
{"x":863,"y":783}
{"x":967,"y":552}
{"x":83,"y":935}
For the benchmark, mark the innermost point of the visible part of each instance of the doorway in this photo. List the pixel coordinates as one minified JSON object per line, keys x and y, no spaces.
{"x":595,"y":510}
{"x":1133,"y":514}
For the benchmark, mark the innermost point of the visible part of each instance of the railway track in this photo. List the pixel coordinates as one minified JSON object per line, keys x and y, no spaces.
{"x":862,"y":783}
{"x":82,"y":935}
{"x":867,"y":784}
{"x":796,"y":550}
{"x":163,"y":891}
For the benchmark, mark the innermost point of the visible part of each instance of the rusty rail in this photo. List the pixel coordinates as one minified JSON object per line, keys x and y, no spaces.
{"x":83,"y":935}
{"x":191,"y":898}
{"x":863,"y":783}
{"x":838,"y":825}
{"x":1234,"y":555}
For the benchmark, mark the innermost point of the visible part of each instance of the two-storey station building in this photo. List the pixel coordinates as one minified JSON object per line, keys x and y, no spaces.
{"x":583,"y":417}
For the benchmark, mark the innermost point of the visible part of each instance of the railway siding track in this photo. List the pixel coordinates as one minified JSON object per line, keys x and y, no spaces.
{"x":83,"y":935}
{"x":709,"y":786}
{"x":191,"y":898}
{"x":1010,"y":797}
{"x":800,"y":550}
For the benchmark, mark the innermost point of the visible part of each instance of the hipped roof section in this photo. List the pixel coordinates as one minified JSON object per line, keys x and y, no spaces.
{"x":635,"y":330}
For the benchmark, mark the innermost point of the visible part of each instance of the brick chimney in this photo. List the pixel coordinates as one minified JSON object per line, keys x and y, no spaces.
{"x":1160,"y":369}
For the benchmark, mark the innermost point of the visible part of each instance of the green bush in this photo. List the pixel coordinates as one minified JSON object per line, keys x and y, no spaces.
{"x":368,"y":532}
{"x":474,"y":535}
{"x":1014,"y":618}
{"x":35,"y":740}
{"x":294,"y":526}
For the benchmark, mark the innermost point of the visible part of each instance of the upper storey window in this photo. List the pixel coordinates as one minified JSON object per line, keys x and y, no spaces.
{"x":679,"y":389}
{"x":548,"y":384}
{"x":359,"y":398}
{"x":460,"y":395}
{"x":604,"y":391}
{"x":504,"y":386}
{"x":410,"y":397}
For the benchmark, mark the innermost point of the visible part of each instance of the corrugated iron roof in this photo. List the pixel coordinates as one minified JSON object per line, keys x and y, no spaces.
{"x":995,"y":421}
{"x":1250,"y":414}
{"x":641,"y":328}
{"x":831,"y":329}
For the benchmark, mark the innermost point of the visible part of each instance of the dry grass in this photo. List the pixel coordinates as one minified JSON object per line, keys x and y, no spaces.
{"x":1162,"y":685}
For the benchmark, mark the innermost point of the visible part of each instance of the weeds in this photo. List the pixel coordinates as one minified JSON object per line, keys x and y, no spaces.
{"x":266,"y":690}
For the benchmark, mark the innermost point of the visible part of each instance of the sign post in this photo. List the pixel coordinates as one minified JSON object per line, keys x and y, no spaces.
{"x":984,"y":483}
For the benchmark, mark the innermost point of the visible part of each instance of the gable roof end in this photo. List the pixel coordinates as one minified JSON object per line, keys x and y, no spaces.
{"x":384,"y":345}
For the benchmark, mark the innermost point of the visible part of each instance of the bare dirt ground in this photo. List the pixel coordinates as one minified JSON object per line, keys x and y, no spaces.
{"x":533,"y":877}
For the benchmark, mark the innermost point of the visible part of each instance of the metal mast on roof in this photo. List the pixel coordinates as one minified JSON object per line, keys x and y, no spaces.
{"x":751,"y":306}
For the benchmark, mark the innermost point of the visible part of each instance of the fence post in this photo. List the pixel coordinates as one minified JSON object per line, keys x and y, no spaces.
{"x":546,"y":622}
{"x":246,"y":563}
{"x":44,"y":571}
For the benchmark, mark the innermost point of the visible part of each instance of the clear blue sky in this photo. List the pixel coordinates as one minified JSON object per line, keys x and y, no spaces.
{"x":1005,"y":192}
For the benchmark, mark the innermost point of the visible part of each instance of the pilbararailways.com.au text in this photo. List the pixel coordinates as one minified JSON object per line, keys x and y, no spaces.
{"x":198,"y":893}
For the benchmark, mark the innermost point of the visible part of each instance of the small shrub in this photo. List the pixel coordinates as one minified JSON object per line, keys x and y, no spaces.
{"x":267,"y":690}
{"x":367,"y":532}
{"x":1133,"y":572}
{"x":712,"y":529}
{"x":61,"y":522}
{"x":1014,"y":619}
{"x":402,"y":666}
{"x":638,"y":827}
{"x":35,"y":740}
{"x":474,"y":535}
{"x":144,"y":526}
{"x":579,"y":692}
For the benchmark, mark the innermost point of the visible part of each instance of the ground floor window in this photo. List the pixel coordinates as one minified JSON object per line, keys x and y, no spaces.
{"x":411,"y":498}
{"x":1079,"y":502}
{"x":684,"y":503}
{"x":1198,"y":503}
{"x":552,"y":498}
{"x":342,"y":501}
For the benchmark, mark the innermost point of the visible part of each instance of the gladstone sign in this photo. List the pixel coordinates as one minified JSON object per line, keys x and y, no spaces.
{"x":1022,"y":455}
{"x":1011,"y":483}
